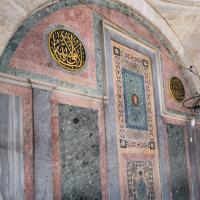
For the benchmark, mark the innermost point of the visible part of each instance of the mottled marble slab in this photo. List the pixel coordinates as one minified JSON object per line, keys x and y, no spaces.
{"x":178,"y":162}
{"x":79,"y":146}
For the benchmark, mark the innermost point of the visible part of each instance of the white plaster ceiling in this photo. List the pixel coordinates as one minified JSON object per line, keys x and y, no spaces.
{"x":13,"y":13}
{"x":183,"y":16}
{"x":183,"y":2}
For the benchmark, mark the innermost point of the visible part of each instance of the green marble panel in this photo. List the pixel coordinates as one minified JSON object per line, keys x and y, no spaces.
{"x":79,"y":146}
{"x":178,"y":162}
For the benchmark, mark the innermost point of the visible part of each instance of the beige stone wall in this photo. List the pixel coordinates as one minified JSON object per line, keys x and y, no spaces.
{"x":13,"y":13}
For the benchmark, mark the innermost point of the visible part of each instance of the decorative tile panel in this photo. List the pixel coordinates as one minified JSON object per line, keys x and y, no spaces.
{"x":178,"y":162}
{"x":134,"y":98}
{"x":140,"y":180}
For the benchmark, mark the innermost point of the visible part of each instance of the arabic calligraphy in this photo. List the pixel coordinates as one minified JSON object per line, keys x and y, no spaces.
{"x":67,"y":50}
{"x":177,"y":89}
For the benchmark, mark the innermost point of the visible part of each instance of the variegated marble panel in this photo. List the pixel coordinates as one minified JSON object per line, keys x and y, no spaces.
{"x":80,"y":153}
{"x":178,"y":162}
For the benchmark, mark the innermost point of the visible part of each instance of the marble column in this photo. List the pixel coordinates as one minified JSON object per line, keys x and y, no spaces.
{"x":11,"y":148}
{"x":42,"y":144}
{"x":194,"y":152}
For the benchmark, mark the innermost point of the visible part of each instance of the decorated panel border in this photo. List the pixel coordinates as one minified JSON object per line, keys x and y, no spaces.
{"x":134,"y":98}
{"x":140,"y":180}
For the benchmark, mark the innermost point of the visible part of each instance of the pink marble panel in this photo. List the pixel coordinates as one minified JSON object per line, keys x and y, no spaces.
{"x":70,"y":99}
{"x":32,"y":54}
{"x":125,"y":23}
{"x":55,"y":151}
{"x":171,"y":69}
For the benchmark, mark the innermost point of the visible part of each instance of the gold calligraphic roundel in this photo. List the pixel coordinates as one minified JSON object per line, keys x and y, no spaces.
{"x":177,"y":89}
{"x":67,"y":50}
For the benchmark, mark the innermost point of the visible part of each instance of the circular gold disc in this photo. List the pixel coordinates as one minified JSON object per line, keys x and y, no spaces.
{"x":67,"y":50}
{"x":177,"y":89}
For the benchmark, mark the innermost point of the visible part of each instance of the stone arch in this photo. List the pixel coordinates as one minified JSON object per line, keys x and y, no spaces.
{"x":140,"y":10}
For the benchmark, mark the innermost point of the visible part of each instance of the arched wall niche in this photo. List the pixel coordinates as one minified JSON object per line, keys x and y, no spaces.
{"x":142,"y":8}
{"x":57,"y":95}
{"x":152,"y":21}
{"x":136,"y":10}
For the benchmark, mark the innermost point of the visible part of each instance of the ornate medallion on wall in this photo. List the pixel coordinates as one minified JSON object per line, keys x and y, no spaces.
{"x":177,"y":89}
{"x":66,"y":50}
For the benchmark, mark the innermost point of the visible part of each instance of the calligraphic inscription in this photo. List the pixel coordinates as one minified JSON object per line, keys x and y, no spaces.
{"x":177,"y":89}
{"x":67,"y":50}
{"x":140,"y":180}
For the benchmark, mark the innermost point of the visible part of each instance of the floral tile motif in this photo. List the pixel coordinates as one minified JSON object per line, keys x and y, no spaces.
{"x":140,"y":180}
{"x":134,"y":98}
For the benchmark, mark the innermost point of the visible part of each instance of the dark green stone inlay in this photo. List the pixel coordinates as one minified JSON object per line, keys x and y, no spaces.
{"x":178,"y":162}
{"x":79,"y":147}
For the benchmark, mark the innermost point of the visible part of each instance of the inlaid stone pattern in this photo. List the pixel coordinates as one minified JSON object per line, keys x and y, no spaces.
{"x":134,"y":98}
{"x":135,"y":115}
{"x":178,"y":162}
{"x":79,"y":141}
{"x":140,"y":180}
